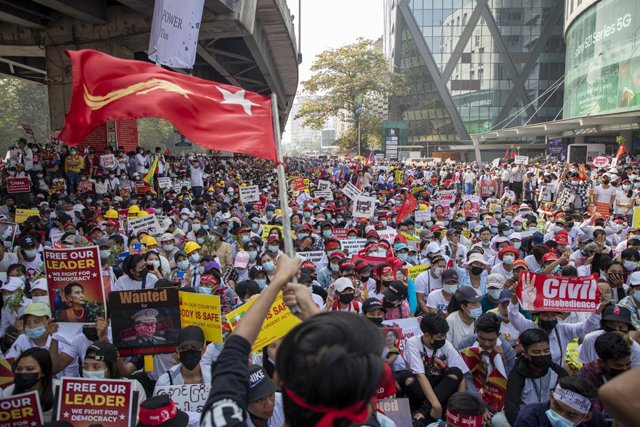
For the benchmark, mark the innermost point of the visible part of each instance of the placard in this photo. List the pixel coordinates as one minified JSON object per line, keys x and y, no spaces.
{"x":421,"y":216}
{"x":148,"y":223}
{"x":352,"y":245}
{"x":145,"y":321}
{"x":108,"y":161}
{"x":600,"y":162}
{"x":177,"y":186}
{"x":142,"y":187}
{"x":187,"y":397}
{"x":312,"y":256}
{"x":323,"y":185}
{"x":541,"y":292}
{"x":74,"y":280}
{"x":603,"y":208}
{"x":396,"y":409}
{"x":324,"y":194}
{"x":364,"y":207}
{"x":278,"y":322}
{"x":202,"y":311}
{"x":84,"y":402}
{"x":351,"y":191}
{"x":18,"y":185}
{"x":635,"y":223}
{"x":249,"y":194}
{"x":389,"y":234}
{"x":21,"y":410}
{"x":266,"y":230}
{"x":410,"y":326}
{"x":488,"y":187}
{"x":521,"y":160}
{"x":7,"y":233}
{"x":340,"y":233}
{"x":448,"y":196}
{"x":164,"y":183}
{"x":414,"y":271}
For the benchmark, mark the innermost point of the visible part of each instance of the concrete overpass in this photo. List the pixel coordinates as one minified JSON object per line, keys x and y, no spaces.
{"x":247,"y":43}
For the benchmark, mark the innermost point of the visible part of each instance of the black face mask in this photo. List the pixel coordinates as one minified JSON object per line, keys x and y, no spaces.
{"x":547,"y":325}
{"x":190,"y":358}
{"x":90,"y":333}
{"x":25,"y":381}
{"x":612,"y":373}
{"x":346,"y":298}
{"x":364,"y":278}
{"x":476,"y":271}
{"x":438,"y":344}
{"x":143,"y":272}
{"x":541,"y":361}
{"x":386,"y":283}
{"x":376,"y":320}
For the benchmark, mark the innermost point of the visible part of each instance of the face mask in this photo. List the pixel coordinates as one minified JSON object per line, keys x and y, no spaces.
{"x":274,"y":248}
{"x":327,"y":233}
{"x":508,"y":217}
{"x":190,"y":358}
{"x":437,"y":272}
{"x":41,"y":300}
{"x":376,"y":320}
{"x":35,"y":333}
{"x":412,"y":259}
{"x":475,"y":312}
{"x":196,"y":227}
{"x":476,"y":271}
{"x":498,"y":216}
{"x":168,"y":248}
{"x":517,"y":228}
{"x":200,"y":270}
{"x":517,"y":245}
{"x":547,"y":325}
{"x":96,"y":375}
{"x":261,"y":282}
{"x":184,"y":217}
{"x":626,"y":187}
{"x":494,"y":293}
{"x":630,"y":265}
{"x":556,"y":228}
{"x":245,"y":238}
{"x":206,"y":291}
{"x":334,"y":267}
{"x":494,"y":230}
{"x":508,"y":259}
{"x":508,"y":232}
{"x":557,"y":420}
{"x":31,"y":253}
{"x":25,"y":381}
{"x":200,"y":240}
{"x":636,"y":185}
{"x":268,"y":266}
{"x":307,"y":214}
{"x":252,"y":255}
{"x":403,"y":257}
{"x":575,"y":182}
{"x":438,"y":344}
{"x":154,"y":264}
{"x":346,"y":298}
{"x":541,"y":361}
{"x":195,"y":257}
{"x":104,"y":254}
{"x":384,"y":223}
{"x":254,"y":227}
{"x":450,"y":289}
{"x":183,"y":265}
{"x":636,"y":297}
{"x":352,"y":237}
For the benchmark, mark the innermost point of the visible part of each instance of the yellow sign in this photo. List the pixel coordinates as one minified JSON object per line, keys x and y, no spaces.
{"x":466,"y":233}
{"x":410,"y":237}
{"x":635,"y":223}
{"x":415,"y":190}
{"x":277,"y":323}
{"x":493,"y":206}
{"x":202,"y":311}
{"x":413,"y":272}
{"x":266,"y":230}
{"x":23,"y":214}
{"x":399,"y":175}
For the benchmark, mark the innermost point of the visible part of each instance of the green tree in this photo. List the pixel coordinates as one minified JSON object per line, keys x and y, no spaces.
{"x":154,"y":132}
{"x":25,"y":102}
{"x":351,"y":82}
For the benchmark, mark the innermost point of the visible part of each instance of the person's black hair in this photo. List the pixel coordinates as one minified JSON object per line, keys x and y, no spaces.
{"x":578,"y":384}
{"x":164,"y":283}
{"x":533,"y":336}
{"x":332,"y":359}
{"x":483,"y":229}
{"x":112,"y":368}
{"x":538,"y":252}
{"x":569,"y":271}
{"x":612,"y":345}
{"x":247,"y":289}
{"x":130,"y":262}
{"x":630,"y":254}
{"x":43,"y":358}
{"x":434,"y":324}
{"x":68,"y":288}
{"x":488,"y":322}
{"x":117,"y":239}
{"x":466,"y":404}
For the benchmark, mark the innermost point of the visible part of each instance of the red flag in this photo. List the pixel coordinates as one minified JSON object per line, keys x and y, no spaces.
{"x":216,"y":116}
{"x":347,"y":154}
{"x":621,"y":151}
{"x":506,"y":154}
{"x":513,"y":154}
{"x":406,"y":208}
{"x":369,"y":158}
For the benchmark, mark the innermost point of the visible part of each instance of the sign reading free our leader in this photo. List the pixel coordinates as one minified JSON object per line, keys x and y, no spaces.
{"x":21,"y":410}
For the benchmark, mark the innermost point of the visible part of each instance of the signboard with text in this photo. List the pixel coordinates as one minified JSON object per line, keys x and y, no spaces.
{"x":541,"y":292}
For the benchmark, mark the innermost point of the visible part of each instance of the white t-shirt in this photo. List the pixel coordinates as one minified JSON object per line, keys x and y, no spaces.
{"x":498,"y":268}
{"x":458,"y":330}
{"x":436,"y":300}
{"x":126,"y":283}
{"x":603,"y":195}
{"x":425,"y":283}
{"x":416,"y":349}
{"x":23,"y":343}
{"x":588,"y":352}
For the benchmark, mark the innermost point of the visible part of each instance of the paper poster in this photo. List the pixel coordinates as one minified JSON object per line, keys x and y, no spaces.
{"x":488,"y":188}
{"x":266,"y":230}
{"x":22,"y":215}
{"x":312,"y":256}
{"x":410,"y":326}
{"x":603,"y":208}
{"x":521,"y":160}
{"x":108,"y":161}
{"x":145,"y":321}
{"x":635,"y":223}
{"x":85,"y":402}
{"x":340,"y":233}
{"x":421,"y":216}
{"x":164,"y":183}
{"x":21,"y":410}
{"x":396,"y":409}
{"x":541,"y":292}
{"x":142,"y":187}
{"x":249,"y":194}
{"x":18,"y":185}
{"x":278,"y":322}
{"x":414,"y":271}
{"x":323,"y":194}
{"x":187,"y":397}
{"x":179,"y":185}
{"x":364,"y":207}
{"x":74,"y":278}
{"x":7,"y":233}
{"x":323,"y":185}
{"x":202,"y":311}
{"x":148,"y":223}
{"x":352,"y":245}
{"x":448,"y":196}
{"x":389,"y":234}
{"x":351,"y":191}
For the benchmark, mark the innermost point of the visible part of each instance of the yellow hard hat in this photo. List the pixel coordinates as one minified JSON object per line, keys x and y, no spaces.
{"x":191,"y":246}
{"x":422,"y":207}
{"x":391,"y":168}
{"x":143,"y":213}
{"x":278,"y":212}
{"x":111,"y":214}
{"x":244,"y":184}
{"x":149,"y":240}
{"x":134,"y":209}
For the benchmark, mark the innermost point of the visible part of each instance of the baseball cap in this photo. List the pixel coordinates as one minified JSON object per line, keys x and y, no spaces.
{"x":371,"y":304}
{"x":102,"y":351}
{"x":343,"y":283}
{"x":505,"y":295}
{"x":395,"y":291}
{"x":37,"y":309}
{"x":12,"y":284}
{"x":260,"y":385}
{"x":40,"y":284}
{"x":449,"y":274}
{"x":161,"y":410}
{"x":617,"y":313}
{"x":634,"y":279}
{"x":466,"y":295}
{"x":347,"y":265}
{"x":191,"y":335}
{"x":495,"y":280}
{"x":242,"y":259}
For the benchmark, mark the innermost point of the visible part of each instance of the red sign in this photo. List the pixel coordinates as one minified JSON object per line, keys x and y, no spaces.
{"x":298,"y":184}
{"x":541,"y":292}
{"x":21,"y":410}
{"x":84,"y":402}
{"x":340,"y":233}
{"x":603,"y":208}
{"x":18,"y":185}
{"x":600,"y":162}
{"x":488,"y":187}
{"x":74,"y":278}
{"x":142,"y":187}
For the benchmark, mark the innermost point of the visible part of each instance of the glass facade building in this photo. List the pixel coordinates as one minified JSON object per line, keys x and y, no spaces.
{"x":471,"y":66}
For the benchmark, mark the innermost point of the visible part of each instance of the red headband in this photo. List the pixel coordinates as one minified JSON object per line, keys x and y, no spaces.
{"x":156,"y":417}
{"x":460,"y":420}
{"x":357,"y":413}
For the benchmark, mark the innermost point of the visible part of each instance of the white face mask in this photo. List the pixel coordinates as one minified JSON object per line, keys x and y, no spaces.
{"x":41,"y":300}
{"x":94,"y":374}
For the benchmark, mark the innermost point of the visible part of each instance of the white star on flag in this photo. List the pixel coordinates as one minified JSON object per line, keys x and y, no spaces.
{"x":237,"y":99}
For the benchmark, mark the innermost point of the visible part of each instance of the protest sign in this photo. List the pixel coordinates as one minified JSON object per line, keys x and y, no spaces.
{"x":142,"y":187}
{"x":521,"y":160}
{"x":352,"y":245}
{"x":108,"y":161}
{"x":249,"y":194}
{"x":448,"y":196}
{"x":147,"y":321}
{"x":266,"y":230}
{"x":74,"y":279}
{"x":541,"y":292}
{"x":323,"y":185}
{"x":324,"y":194}
{"x":600,"y":162}
{"x":603,"y":208}
{"x":488,"y":187}
{"x":148,"y":223}
{"x":635,"y":223}
{"x":421,"y":216}
{"x":58,"y":185}
{"x":351,"y":191}
{"x":7,"y":233}
{"x":177,"y":186}
{"x":202,"y":311}
{"x":410,"y":326}
{"x":18,"y":185}
{"x":413,"y":272}
{"x":21,"y":410}
{"x":297,"y":184}
{"x":278,"y":322}
{"x":21,"y":215}
{"x":364,"y":207}
{"x":164,"y":183}
{"x":470,"y":204}
{"x":398,"y":176}
{"x":389,"y":234}
{"x":491,"y":385}
{"x":445,"y":207}
{"x":312,"y":256}
{"x":396,"y":409}
{"x":84,"y":402}
{"x":187,"y":397}
{"x":340,"y":233}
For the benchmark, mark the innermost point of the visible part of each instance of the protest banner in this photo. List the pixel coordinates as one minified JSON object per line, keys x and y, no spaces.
{"x":352,"y":246}
{"x":410,"y":326}
{"x":202,"y":311}
{"x":603,"y":208}
{"x":447,"y":196}
{"x":312,"y":256}
{"x":179,"y":185}
{"x":7,"y":233}
{"x":164,"y":183}
{"x":541,"y":292}
{"x":249,"y":194}
{"x":323,"y":185}
{"x":444,"y":205}
{"x":278,"y":322}
{"x":266,"y":230}
{"x":187,"y":397}
{"x":142,"y":187}
{"x":351,"y":191}
{"x":21,"y":215}
{"x":18,"y":185}
{"x":84,"y":402}
{"x":412,"y":272}
{"x":421,"y":216}
{"x":600,"y":162}
{"x":108,"y":161}
{"x":470,"y":204}
{"x":364,"y":207}
{"x":148,"y":223}
{"x":323,"y":194}
{"x":488,"y":187}
{"x":397,"y":409}
{"x":398,"y":176}
{"x":521,"y":160}
{"x":340,"y":233}
{"x":74,"y":279}
{"x":389,"y":234}
{"x":147,"y":320}
{"x":297,"y":184}
{"x":21,"y":410}
{"x":635,"y":222}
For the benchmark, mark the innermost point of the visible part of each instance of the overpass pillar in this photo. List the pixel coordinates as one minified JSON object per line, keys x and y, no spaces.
{"x":59,"y":75}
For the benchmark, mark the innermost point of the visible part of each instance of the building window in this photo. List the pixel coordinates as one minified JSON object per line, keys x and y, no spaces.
{"x":464,"y":19}
{"x":477,"y":40}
